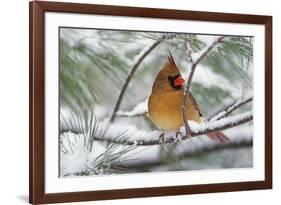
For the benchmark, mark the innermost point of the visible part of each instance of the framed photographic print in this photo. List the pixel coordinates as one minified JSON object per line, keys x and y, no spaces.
{"x":138,"y":102}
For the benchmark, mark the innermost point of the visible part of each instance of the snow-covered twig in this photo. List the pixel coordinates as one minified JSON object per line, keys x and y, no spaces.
{"x":138,"y":61}
{"x":128,"y":114}
{"x":226,"y":111}
{"x":138,"y":111}
{"x":189,"y":50}
{"x":141,"y":138}
{"x":187,"y":88}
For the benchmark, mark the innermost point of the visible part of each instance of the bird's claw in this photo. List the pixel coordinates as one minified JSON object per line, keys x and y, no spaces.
{"x":178,"y":136}
{"x":162,"y":138}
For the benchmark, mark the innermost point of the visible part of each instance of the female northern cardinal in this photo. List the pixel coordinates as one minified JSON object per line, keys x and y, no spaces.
{"x":165,"y":102}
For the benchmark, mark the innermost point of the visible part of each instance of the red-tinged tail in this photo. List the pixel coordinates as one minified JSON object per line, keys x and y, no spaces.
{"x":219,"y":137}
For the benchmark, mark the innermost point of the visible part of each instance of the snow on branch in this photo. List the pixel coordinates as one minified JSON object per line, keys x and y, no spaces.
{"x":142,"y":138}
{"x":138,"y":111}
{"x":189,"y":49}
{"x":221,"y":114}
{"x":187,"y":88}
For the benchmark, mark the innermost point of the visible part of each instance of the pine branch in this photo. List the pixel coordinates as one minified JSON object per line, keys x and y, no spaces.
{"x":187,"y":88}
{"x":226,"y":111}
{"x":138,"y":61}
{"x":152,"y":138}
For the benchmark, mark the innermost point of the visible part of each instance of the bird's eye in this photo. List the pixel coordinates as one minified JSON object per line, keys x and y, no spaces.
{"x":172,"y":78}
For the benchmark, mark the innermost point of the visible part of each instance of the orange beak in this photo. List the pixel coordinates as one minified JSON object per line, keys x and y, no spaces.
{"x":179,"y":81}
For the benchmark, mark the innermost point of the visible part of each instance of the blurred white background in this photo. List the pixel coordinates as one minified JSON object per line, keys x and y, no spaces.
{"x":14,"y":99}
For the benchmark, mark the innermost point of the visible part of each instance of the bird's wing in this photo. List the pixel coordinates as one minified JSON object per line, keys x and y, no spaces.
{"x":216,"y":135}
{"x":195,"y":104}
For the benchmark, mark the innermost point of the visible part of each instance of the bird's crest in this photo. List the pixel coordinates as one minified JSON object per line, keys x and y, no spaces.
{"x":168,"y":72}
{"x":171,"y":61}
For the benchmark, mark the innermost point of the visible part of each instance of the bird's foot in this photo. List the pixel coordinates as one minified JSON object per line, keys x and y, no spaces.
{"x":178,"y":136}
{"x":162,"y":138}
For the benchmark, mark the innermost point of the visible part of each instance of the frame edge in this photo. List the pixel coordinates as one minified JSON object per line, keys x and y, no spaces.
{"x":36,"y":103}
{"x":268,"y":102}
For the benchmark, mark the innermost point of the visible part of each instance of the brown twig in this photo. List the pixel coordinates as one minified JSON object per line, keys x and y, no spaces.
{"x":130,"y":75}
{"x":229,"y":109}
{"x":187,"y":88}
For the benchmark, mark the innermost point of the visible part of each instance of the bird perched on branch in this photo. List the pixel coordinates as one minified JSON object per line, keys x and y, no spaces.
{"x":166,"y":101}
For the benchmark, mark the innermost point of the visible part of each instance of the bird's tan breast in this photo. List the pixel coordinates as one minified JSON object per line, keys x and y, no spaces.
{"x":165,"y":110}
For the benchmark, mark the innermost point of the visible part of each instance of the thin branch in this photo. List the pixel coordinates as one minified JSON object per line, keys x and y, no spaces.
{"x":200,"y":129}
{"x":187,"y":88}
{"x":226,"y":111}
{"x":130,"y":75}
{"x":124,"y":114}
{"x":189,"y":49}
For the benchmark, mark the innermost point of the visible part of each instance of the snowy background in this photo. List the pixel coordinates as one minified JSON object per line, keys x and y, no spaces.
{"x":93,"y":67}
